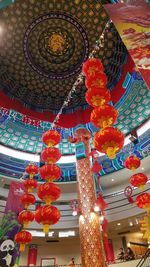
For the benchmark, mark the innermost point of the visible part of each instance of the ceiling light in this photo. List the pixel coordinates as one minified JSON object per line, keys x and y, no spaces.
{"x":118,"y":224}
{"x":128,"y":244}
{"x":112,"y":180}
{"x":142,"y":168}
{"x":131,"y":224}
{"x":136,"y":220}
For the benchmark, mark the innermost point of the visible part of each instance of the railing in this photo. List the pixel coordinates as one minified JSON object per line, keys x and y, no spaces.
{"x":145,"y":261}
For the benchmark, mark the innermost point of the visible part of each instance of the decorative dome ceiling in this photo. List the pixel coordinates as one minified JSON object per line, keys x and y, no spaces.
{"x":43,"y":47}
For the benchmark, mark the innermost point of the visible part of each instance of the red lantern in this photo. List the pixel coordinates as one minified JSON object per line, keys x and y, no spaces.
{"x":109,"y":141}
{"x":92,"y":67}
{"x":47,"y":215}
{"x":25,"y":217}
{"x":50,"y":172}
{"x":132,"y":163}
{"x":30,"y":184}
{"x":23,"y":238}
{"x":48,"y":192}
{"x":97,"y":82}
{"x":143,"y":201}
{"x":51,"y":138}
{"x":27,"y":199}
{"x":50,"y":155}
{"x":104,"y":116}
{"x":97,"y":97}
{"x":32,"y":169}
{"x":139,"y":180}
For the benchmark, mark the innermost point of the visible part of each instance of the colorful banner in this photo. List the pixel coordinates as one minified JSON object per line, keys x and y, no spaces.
{"x":132,"y":22}
{"x":9,"y":251}
{"x":15,"y":192}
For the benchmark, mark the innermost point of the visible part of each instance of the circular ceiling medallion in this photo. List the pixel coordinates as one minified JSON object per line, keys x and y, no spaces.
{"x":52,"y":40}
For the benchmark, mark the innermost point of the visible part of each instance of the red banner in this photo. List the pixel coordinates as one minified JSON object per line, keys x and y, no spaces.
{"x":16,"y":190}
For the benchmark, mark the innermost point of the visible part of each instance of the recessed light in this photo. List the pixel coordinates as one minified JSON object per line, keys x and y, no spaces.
{"x":112,"y":180}
{"x":142,"y":168}
{"x":118,"y":224}
{"x":131,"y":223}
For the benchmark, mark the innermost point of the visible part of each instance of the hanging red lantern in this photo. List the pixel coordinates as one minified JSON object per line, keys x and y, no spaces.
{"x":50,"y":172}
{"x":143,"y":201}
{"x":97,"y":97}
{"x":92,"y":67}
{"x":51,"y":138}
{"x":104,"y":116}
{"x":47,"y":215}
{"x":50,"y":155}
{"x":23,"y":238}
{"x":139,"y":180}
{"x":97,"y":82}
{"x":27,"y":199}
{"x":30,"y":184}
{"x":109,"y":141}
{"x":32,"y":169}
{"x":25,"y":217}
{"x":48,"y":192}
{"x":132,"y":163}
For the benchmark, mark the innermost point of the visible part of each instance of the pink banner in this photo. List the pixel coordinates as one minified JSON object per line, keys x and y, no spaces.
{"x":133,"y":24}
{"x":16,"y":190}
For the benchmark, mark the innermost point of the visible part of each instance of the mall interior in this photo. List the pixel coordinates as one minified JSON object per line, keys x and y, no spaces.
{"x":74,"y":133}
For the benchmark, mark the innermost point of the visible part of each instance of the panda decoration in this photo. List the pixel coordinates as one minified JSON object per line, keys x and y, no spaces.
{"x":7,"y":249}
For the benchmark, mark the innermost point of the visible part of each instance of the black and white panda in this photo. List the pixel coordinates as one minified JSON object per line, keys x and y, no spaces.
{"x":7,"y":248}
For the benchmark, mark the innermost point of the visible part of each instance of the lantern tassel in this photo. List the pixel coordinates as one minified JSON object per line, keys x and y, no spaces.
{"x":141,"y":186}
{"x":22,"y":247}
{"x":46,"y":228}
{"x":111,"y":152}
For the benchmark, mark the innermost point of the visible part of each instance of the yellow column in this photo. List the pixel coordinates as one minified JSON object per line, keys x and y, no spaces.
{"x":92,"y":252}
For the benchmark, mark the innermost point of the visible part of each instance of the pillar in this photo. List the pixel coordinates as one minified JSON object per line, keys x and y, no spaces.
{"x":32,"y":255}
{"x":92,"y":251}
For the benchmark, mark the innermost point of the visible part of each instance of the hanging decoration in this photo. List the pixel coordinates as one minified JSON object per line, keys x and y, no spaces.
{"x":92,"y":67}
{"x":50,"y":155}
{"x":51,"y":138}
{"x":47,"y":215}
{"x":128,"y":193}
{"x":109,"y":141}
{"x":96,"y":97}
{"x":50,"y":172}
{"x":31,"y":169}
{"x":96,"y":168}
{"x":25,"y":217}
{"x":143,"y":201}
{"x":139,"y":180}
{"x":27,"y":200}
{"x":100,"y":204}
{"x":104,"y":116}
{"x":23,"y":238}
{"x":132,"y":162}
{"x":48,"y":192}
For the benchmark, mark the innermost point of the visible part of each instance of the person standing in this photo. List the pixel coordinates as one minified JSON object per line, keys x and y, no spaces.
{"x":72,"y":263}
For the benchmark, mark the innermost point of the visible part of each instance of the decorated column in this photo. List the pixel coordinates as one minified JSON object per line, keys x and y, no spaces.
{"x":92,"y":251}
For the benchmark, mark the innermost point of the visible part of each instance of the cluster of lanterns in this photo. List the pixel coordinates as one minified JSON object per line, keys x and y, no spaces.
{"x":49,"y":192}
{"x":142,"y":200}
{"x":108,"y":140}
{"x":26,"y":217}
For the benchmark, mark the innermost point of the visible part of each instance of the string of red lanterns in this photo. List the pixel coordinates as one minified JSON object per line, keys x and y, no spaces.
{"x":49,"y":192}
{"x":26,"y":217}
{"x":108,"y":140}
